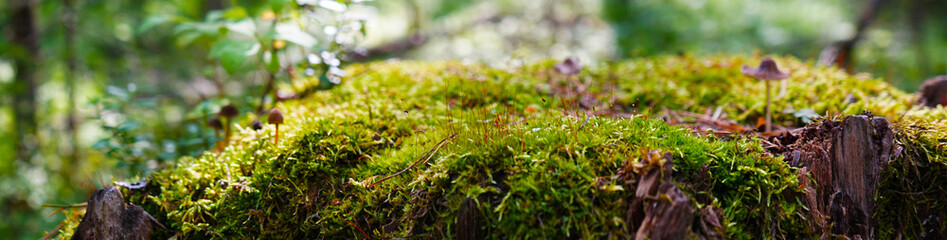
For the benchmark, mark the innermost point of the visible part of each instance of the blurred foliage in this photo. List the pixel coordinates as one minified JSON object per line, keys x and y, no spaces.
{"x":801,"y":28}
{"x":903,"y":44}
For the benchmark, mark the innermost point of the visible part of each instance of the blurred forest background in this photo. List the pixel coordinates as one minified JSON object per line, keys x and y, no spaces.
{"x":94,"y":91}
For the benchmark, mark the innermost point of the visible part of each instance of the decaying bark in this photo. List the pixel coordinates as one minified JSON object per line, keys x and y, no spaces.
{"x":469,"y":221}
{"x":108,"y":217}
{"x":843,"y":160}
{"x":933,"y":92}
{"x":660,"y":210}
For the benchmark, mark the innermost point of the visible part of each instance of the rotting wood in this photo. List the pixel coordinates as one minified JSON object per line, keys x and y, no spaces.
{"x":469,"y":221}
{"x":844,"y":159}
{"x":660,"y":210}
{"x":108,"y":217}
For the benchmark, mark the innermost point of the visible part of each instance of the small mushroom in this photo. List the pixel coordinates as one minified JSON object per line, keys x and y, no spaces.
{"x":217,"y":126}
{"x":256,"y":125}
{"x":276,"y":118}
{"x":767,"y":71}
{"x":570,"y":66}
{"x":228,"y":113}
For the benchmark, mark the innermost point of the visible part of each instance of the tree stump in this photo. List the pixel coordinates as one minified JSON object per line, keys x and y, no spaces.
{"x":107,"y":217}
{"x":845,"y":159}
{"x":933,"y":92}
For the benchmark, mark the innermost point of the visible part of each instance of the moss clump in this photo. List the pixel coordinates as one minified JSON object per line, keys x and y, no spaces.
{"x":534,"y":164}
{"x":911,"y":195}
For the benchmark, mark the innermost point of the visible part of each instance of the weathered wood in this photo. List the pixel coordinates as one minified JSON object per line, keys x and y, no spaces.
{"x":933,"y":92}
{"x":469,"y":221}
{"x":844,"y":159}
{"x":108,"y":217}
{"x":660,"y":210}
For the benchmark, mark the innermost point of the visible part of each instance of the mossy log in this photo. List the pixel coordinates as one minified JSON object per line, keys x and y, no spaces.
{"x":540,"y":154}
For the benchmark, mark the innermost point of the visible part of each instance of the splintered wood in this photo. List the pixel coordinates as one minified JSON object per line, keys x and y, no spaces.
{"x":659,"y":209}
{"x":108,"y":217}
{"x":844,"y":159}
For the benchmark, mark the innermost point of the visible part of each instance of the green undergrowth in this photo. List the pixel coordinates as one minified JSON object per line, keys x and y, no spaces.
{"x":535,"y":164}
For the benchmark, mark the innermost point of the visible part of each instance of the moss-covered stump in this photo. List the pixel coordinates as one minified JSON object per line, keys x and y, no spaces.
{"x":477,"y":152}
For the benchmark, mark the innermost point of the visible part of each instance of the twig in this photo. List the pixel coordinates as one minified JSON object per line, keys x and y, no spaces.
{"x":586,"y":122}
{"x":65,"y":206}
{"x":359,"y":229}
{"x":429,"y":153}
{"x":54,"y":232}
{"x":369,"y":157}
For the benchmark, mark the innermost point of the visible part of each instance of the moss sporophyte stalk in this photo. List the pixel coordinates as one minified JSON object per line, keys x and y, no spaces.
{"x":400,"y":148}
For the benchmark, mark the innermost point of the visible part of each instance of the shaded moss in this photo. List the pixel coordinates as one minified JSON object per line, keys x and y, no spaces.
{"x":911,"y":195}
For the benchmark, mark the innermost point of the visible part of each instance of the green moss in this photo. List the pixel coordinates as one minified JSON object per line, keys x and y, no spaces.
{"x":684,"y":83}
{"x":912,"y":191}
{"x":535,"y":165}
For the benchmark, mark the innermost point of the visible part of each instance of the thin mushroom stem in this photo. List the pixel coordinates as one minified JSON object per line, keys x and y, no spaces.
{"x":769,"y":118}
{"x":276,"y":139}
{"x":219,"y":143}
{"x":227,"y":130}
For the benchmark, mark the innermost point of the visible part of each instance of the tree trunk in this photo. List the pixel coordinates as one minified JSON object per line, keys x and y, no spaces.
{"x":69,"y":20}
{"x":26,"y":52}
{"x":839,"y":54}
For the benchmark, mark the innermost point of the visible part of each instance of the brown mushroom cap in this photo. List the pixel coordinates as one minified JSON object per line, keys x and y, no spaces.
{"x":256,"y":125}
{"x":276,"y":116}
{"x":766,"y":71}
{"x":570,"y":66}
{"x":215,"y":123}
{"x":229,"y":111}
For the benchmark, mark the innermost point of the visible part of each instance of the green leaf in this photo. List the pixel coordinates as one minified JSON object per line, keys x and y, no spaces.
{"x":278,"y":5}
{"x":234,"y":13}
{"x":129,"y":126}
{"x":188,"y":32}
{"x":807,"y":115}
{"x":245,"y":27}
{"x":154,"y":21}
{"x":101,"y":144}
{"x":186,"y":39}
{"x":292,"y":33}
{"x":233,"y":53}
{"x":117,"y":92}
{"x":205,"y":108}
{"x":271,"y":61}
